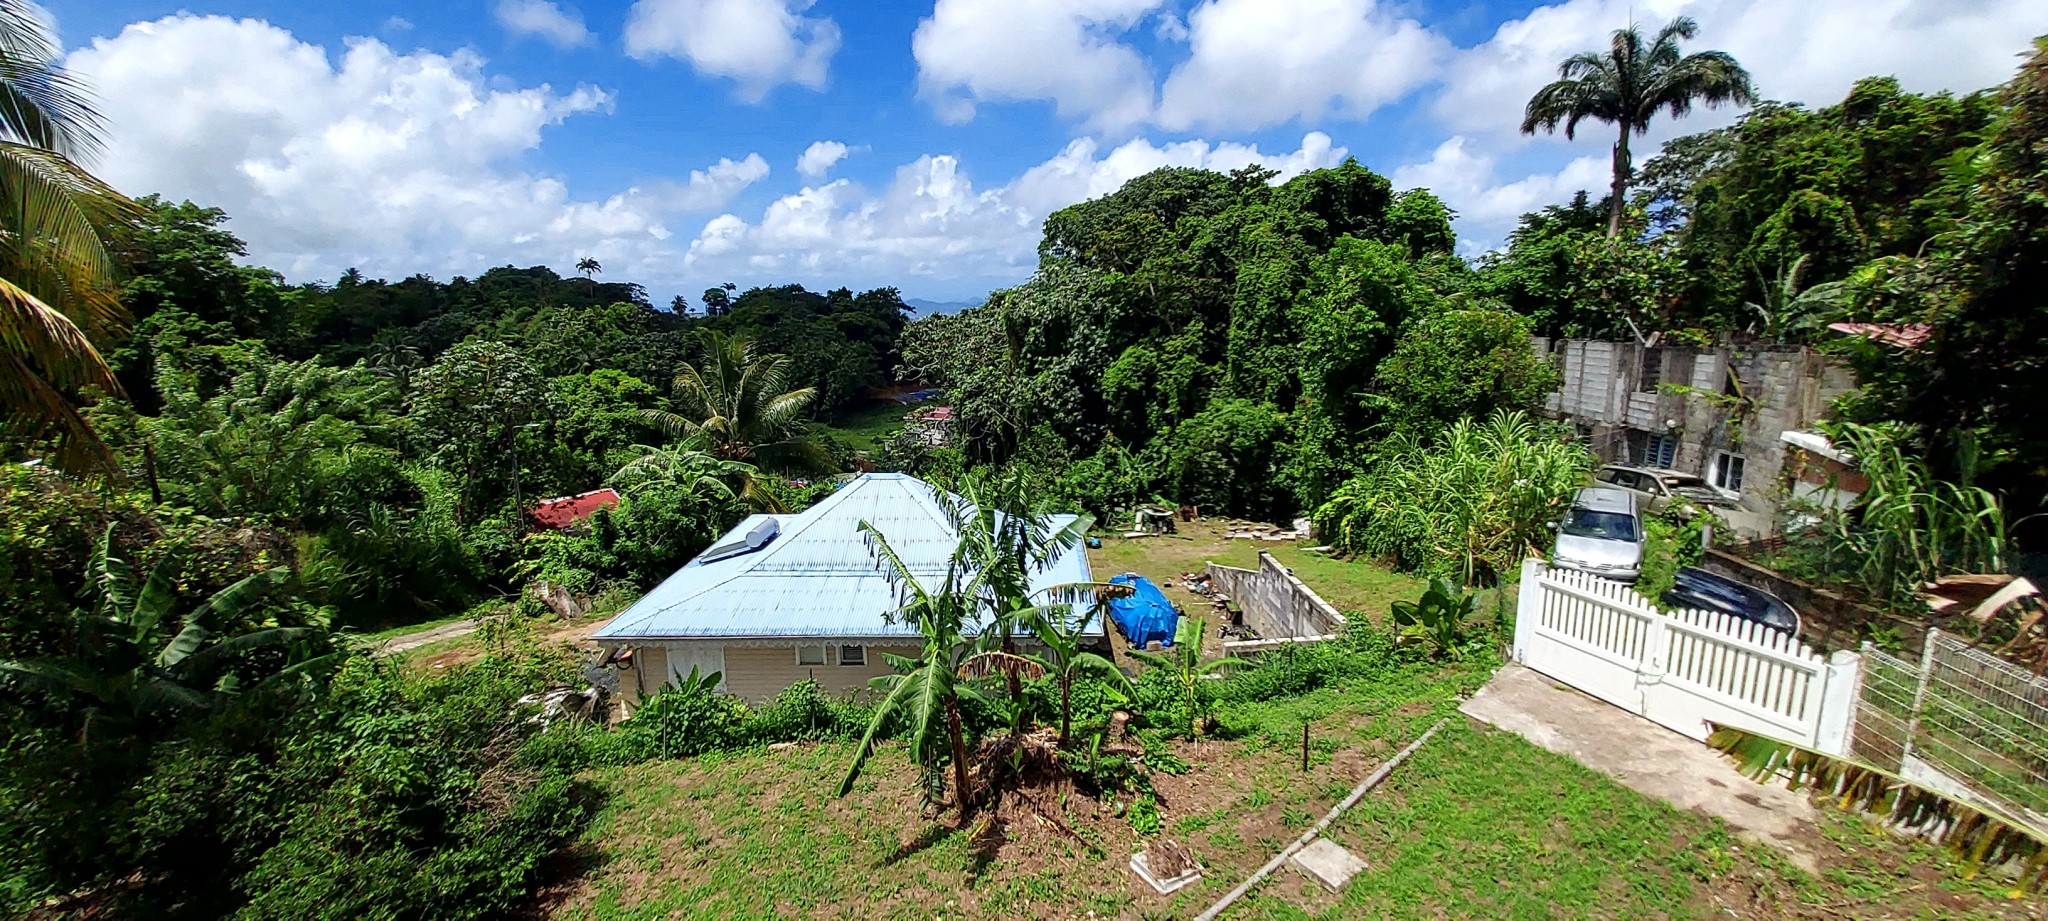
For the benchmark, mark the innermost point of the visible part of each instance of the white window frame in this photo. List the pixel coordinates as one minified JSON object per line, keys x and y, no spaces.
{"x":818,"y":648}
{"x":861,"y":654}
{"x":1721,"y":477}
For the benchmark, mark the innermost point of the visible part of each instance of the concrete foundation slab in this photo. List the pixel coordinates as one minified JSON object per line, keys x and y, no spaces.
{"x":1327,"y":862}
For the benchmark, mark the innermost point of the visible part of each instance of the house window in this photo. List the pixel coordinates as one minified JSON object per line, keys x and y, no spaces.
{"x":853,"y":655}
{"x":1728,"y":471}
{"x":1660,"y":449}
{"x":810,"y":655}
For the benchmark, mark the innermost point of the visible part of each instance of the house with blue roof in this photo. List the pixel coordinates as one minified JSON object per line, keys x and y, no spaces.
{"x":782,"y":598}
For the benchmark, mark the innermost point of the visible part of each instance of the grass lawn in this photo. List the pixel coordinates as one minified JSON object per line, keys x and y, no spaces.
{"x":869,"y":428}
{"x":1351,"y":585}
{"x":1479,"y":824}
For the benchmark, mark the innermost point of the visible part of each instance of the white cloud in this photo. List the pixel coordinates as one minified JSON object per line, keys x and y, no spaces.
{"x":971,"y":51}
{"x":545,"y":20}
{"x":1254,"y":63}
{"x":1810,"y":51}
{"x":759,"y":44}
{"x":932,"y":223}
{"x":395,"y":163}
{"x":1469,"y":182}
{"x":818,"y":158}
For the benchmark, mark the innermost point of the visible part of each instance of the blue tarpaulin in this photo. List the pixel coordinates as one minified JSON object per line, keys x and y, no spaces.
{"x":1145,"y":615}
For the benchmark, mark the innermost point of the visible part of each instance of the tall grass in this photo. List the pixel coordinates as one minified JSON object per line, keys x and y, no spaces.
{"x":1467,"y":504}
{"x":1909,"y":528}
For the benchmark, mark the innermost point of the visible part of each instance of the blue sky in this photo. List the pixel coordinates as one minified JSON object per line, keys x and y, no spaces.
{"x":663,"y":136}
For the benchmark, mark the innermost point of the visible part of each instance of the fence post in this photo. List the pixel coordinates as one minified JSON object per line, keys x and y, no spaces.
{"x":1841,"y":687}
{"x":1528,"y":606}
{"x":1919,"y":697}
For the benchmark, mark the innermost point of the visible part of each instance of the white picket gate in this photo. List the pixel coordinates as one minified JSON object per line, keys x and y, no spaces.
{"x":1681,"y":669}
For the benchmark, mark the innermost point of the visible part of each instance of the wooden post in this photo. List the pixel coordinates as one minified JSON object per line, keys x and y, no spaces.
{"x":1304,"y":746}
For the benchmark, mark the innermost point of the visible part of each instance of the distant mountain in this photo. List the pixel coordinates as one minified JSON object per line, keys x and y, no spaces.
{"x":928,"y":308}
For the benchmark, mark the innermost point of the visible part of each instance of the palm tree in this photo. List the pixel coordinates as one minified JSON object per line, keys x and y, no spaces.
{"x":925,"y":694}
{"x":736,"y":401}
{"x":57,"y":285}
{"x":687,"y":466}
{"x":589,"y":268}
{"x":1629,"y":84}
{"x":1184,"y":662}
{"x":131,"y":670}
{"x":1006,"y":536}
{"x":1066,"y":661}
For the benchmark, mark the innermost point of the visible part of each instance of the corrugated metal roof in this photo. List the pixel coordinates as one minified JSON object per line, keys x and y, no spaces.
{"x":817,"y":578}
{"x":567,"y":510}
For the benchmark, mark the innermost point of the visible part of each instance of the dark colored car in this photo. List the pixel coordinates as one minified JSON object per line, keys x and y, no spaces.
{"x":1697,"y":588}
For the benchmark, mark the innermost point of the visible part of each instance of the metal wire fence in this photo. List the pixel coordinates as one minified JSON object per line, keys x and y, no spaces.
{"x":1961,"y":721}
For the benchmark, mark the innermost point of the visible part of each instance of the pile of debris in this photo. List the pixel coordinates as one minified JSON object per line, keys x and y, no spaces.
{"x":1303,"y":529}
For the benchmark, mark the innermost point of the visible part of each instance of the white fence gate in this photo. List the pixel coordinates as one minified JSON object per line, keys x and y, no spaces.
{"x":1683,"y":668}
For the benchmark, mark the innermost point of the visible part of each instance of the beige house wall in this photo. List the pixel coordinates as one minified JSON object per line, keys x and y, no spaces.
{"x":758,"y":673}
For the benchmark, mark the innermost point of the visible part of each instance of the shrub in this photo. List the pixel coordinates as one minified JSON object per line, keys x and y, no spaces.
{"x":689,"y":717}
{"x":803,"y":712}
{"x":1437,"y":619}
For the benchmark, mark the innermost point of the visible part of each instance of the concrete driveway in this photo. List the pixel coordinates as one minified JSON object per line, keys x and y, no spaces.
{"x":1646,"y":758}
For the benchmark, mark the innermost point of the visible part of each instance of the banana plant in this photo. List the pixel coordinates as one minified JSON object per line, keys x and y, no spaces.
{"x":137,"y":661}
{"x":1184,"y":662}
{"x":1438,"y":618}
{"x":1066,"y":661}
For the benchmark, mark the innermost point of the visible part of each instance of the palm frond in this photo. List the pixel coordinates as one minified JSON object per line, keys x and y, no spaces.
{"x":1981,"y":837}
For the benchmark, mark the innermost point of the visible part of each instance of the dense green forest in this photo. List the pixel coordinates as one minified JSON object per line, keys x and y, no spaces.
{"x":187,"y":545}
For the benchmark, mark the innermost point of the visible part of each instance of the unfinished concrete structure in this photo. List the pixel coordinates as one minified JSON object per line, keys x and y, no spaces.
{"x":1720,"y":412}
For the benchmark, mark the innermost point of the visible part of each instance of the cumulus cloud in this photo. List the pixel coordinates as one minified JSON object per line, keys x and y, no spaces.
{"x":1253,"y":63}
{"x":1802,"y":52}
{"x":397,"y":163}
{"x":759,"y":44}
{"x":544,"y":20}
{"x":932,"y":222}
{"x":1066,"y":51}
{"x":1488,"y":205}
{"x":818,"y":158}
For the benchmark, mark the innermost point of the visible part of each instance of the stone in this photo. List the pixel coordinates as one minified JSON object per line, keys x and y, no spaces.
{"x":1327,"y":862}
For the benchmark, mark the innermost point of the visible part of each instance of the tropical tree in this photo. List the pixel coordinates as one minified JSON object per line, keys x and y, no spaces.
{"x":925,"y":694}
{"x":589,"y":268}
{"x":736,"y":401}
{"x":686,"y":465}
{"x":1184,"y":663}
{"x":1066,"y":661}
{"x":1628,"y":85}
{"x":1007,"y":536}
{"x":57,"y":279}
{"x":137,"y":660}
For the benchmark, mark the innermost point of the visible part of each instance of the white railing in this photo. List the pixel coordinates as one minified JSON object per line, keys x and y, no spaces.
{"x":1682,"y":669}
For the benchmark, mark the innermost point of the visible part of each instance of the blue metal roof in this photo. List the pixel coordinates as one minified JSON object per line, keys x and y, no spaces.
{"x":817,"y":577}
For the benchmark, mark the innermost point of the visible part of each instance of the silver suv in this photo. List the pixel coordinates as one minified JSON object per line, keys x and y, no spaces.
{"x":1602,"y":535}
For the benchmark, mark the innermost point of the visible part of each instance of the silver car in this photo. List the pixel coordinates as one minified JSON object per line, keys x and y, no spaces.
{"x":1656,"y":487}
{"x":1602,"y":535}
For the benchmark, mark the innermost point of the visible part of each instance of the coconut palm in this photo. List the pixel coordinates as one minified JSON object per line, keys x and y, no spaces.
{"x":589,"y":268}
{"x":1630,"y":83}
{"x":687,"y":466}
{"x":735,"y":400}
{"x":57,"y":286}
{"x":138,"y":662}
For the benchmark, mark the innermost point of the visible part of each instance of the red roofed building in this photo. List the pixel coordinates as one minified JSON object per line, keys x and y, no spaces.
{"x":569,"y":510}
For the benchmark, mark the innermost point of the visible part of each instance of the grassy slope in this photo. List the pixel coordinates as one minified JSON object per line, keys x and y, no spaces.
{"x":866,"y":429}
{"x":1350,"y":585}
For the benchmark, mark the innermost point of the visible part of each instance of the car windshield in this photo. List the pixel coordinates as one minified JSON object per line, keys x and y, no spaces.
{"x":1585,"y":522}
